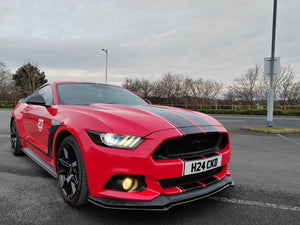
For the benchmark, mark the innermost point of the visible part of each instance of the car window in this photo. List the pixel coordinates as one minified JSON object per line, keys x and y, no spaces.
{"x":88,"y":93}
{"x":47,"y":93}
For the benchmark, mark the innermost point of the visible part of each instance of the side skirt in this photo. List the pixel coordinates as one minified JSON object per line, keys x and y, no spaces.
{"x":40,"y":161}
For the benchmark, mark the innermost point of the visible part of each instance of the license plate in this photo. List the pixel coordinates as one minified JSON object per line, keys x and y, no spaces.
{"x":202,"y":165}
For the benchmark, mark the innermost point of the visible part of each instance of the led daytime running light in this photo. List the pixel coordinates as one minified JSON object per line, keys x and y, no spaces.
{"x":120,"y":141}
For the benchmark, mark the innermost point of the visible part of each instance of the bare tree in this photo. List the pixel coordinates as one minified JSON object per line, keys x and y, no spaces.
{"x":5,"y":82}
{"x":144,"y":87}
{"x":156,"y":92}
{"x":171,"y":87}
{"x":286,"y":84}
{"x":206,"y":90}
{"x":199,"y":86}
{"x":294,"y":94}
{"x":254,"y":86}
{"x":246,"y":86}
{"x":230,"y":95}
{"x":262,"y":90}
{"x":212,"y":89}
{"x":131,"y":84}
{"x":189,"y":87}
{"x":263,"y":87}
{"x":188,"y":90}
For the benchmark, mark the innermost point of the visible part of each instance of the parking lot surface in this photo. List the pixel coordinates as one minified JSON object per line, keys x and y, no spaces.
{"x":265,"y":168}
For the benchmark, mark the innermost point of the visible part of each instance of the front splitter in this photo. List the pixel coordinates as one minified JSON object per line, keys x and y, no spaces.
{"x":164,"y":202}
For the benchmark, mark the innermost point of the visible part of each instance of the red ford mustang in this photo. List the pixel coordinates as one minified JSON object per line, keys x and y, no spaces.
{"x":108,"y":146}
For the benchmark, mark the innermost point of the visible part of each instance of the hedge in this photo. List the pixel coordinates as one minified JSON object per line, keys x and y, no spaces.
{"x":6,"y":105}
{"x":221,"y":111}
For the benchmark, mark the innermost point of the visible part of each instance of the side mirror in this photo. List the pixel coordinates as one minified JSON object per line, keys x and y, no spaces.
{"x":36,"y":99}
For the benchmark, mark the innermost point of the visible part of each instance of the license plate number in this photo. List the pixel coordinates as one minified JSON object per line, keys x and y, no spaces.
{"x":202,"y":165}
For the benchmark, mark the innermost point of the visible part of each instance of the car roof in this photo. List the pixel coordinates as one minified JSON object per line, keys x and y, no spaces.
{"x":54,"y":83}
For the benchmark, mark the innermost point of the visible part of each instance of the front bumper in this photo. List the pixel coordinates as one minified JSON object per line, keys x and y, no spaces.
{"x":164,"y":202}
{"x":104,"y":163}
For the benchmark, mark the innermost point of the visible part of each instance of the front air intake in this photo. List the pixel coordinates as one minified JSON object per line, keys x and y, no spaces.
{"x":191,"y":146}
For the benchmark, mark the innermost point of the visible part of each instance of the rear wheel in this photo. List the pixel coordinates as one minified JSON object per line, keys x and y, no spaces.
{"x":15,"y":140}
{"x":71,"y":172}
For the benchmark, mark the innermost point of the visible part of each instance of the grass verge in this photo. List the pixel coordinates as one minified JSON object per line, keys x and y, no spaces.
{"x":271,"y":130}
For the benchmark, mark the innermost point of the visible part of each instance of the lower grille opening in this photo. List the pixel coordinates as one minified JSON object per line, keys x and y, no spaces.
{"x":191,"y":180}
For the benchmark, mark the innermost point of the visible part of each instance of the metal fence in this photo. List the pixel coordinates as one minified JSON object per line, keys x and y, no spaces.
{"x":11,"y":104}
{"x":233,"y":106}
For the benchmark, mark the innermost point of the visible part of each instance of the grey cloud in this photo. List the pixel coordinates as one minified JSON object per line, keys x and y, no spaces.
{"x":215,"y":39}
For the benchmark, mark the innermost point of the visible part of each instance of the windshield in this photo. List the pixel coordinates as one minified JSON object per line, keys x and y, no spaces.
{"x":88,"y":93}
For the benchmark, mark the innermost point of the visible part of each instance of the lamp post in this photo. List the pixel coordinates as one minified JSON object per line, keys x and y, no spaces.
{"x":106,"y":53}
{"x":271,"y":94}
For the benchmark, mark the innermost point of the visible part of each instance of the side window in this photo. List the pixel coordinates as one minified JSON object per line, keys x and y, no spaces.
{"x":47,"y":93}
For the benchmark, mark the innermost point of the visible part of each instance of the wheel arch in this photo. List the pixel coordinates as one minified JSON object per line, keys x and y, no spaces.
{"x":11,"y":119}
{"x":62,"y":133}
{"x":58,"y":140}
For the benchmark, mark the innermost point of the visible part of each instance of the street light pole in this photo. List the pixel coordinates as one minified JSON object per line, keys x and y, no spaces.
{"x":106,"y":53}
{"x":271,"y":94}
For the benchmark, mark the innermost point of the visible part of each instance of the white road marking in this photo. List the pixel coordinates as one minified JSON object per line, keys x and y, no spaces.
{"x":255,"y":203}
{"x":285,"y":138}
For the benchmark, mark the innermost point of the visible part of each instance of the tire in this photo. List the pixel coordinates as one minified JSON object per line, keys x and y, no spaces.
{"x":15,"y":139}
{"x":72,"y":179}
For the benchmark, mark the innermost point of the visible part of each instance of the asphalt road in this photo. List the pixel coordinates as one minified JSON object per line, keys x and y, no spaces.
{"x":265,"y":169}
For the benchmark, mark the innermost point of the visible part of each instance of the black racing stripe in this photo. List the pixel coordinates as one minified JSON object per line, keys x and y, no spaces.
{"x":178,"y":120}
{"x":194,"y":129}
{"x":210,"y":128}
{"x":196,"y":119}
{"x":190,"y":130}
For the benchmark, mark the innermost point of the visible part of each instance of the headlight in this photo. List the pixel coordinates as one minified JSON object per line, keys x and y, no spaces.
{"x":115,"y":140}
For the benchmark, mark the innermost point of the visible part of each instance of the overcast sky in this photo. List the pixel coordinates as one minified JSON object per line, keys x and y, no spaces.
{"x":216,"y":39}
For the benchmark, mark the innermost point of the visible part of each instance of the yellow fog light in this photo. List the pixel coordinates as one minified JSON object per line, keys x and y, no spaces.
{"x":129,"y":184}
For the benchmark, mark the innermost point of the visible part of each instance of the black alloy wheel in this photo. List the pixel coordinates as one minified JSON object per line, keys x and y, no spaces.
{"x":71,"y":172}
{"x":15,"y":140}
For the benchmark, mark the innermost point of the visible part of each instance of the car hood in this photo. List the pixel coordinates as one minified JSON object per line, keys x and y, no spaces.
{"x":143,"y":120}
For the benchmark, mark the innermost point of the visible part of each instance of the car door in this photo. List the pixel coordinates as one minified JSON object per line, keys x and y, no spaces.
{"x":37,"y":121}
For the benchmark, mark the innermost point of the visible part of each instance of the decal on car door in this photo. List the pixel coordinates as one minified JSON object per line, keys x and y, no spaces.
{"x":40,"y":124}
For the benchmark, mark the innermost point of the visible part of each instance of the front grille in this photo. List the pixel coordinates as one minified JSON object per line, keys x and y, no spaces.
{"x":191,"y":180}
{"x":190,"y":146}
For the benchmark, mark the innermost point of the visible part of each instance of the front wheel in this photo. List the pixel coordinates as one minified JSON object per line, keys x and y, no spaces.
{"x":71,"y":172}
{"x":15,"y":140}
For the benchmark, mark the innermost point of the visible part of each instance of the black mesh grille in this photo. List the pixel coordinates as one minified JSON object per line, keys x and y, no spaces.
{"x":189,"y":180}
{"x":190,"y":146}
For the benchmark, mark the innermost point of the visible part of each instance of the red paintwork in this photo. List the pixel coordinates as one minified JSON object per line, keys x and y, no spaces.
{"x":102,"y":162}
